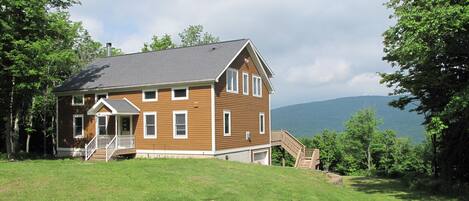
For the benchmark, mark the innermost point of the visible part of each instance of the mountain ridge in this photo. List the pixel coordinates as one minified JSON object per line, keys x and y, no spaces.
{"x":308,"y":119}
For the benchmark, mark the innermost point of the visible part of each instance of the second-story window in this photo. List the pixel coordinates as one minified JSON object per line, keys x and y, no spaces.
{"x":149,"y":95}
{"x":180,"y":93}
{"x":232,"y":80}
{"x":245,"y":83}
{"x":78,"y":100}
{"x":99,"y":96}
{"x":256,"y":86}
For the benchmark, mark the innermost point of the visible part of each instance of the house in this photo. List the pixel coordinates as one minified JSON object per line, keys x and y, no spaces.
{"x":202,"y":101}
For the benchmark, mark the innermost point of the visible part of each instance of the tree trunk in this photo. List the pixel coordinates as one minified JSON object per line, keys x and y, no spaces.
{"x":434,"y":157}
{"x":27,"y":143}
{"x":368,"y":156}
{"x":9,"y":129}
{"x":44,"y":132}
{"x":54,"y":145}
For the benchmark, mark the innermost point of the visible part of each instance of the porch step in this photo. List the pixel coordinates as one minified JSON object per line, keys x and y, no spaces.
{"x":99,"y":155}
{"x":304,"y":164}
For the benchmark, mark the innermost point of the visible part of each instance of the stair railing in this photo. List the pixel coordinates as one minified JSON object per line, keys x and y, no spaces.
{"x":111,"y":147}
{"x":90,"y":147}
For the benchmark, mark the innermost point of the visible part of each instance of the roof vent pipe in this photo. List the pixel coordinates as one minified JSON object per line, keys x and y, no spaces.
{"x":109,"y":49}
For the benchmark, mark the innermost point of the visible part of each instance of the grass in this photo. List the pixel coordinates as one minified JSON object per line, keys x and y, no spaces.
{"x":181,"y":179}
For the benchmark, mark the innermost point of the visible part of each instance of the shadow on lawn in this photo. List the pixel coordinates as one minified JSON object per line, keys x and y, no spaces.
{"x":394,"y":188}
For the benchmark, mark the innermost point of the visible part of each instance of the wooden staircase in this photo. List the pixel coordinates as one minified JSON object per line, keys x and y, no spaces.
{"x":99,"y":155}
{"x":304,"y":158}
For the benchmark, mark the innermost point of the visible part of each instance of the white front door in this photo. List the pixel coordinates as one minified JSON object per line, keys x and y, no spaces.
{"x":125,"y":125}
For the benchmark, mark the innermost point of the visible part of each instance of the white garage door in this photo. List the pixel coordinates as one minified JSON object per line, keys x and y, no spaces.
{"x":261,"y":158}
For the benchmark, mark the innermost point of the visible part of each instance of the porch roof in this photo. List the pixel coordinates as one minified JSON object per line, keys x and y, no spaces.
{"x":116,"y":107}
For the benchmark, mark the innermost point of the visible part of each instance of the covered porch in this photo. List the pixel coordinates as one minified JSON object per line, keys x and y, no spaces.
{"x":115,"y":127}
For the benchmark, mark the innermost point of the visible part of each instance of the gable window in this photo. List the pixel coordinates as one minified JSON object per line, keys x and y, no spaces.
{"x":149,"y":120}
{"x":180,"y":93}
{"x":99,"y":96}
{"x":245,"y":83}
{"x":150,"y":95}
{"x":256,"y":86}
{"x":232,"y":80}
{"x":261,"y":123}
{"x":101,"y":125}
{"x":226,"y":123}
{"x":78,"y":126}
{"x":78,"y":100}
{"x":180,"y":124}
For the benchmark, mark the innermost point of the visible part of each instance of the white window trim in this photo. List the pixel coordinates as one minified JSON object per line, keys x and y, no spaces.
{"x":246,"y":84}
{"x":179,"y":98}
{"x":174,"y":124}
{"x":78,"y":104}
{"x":82,"y":126}
{"x":229,"y":123}
{"x":261,"y":123}
{"x":237,"y":81}
{"x":260,"y":86}
{"x":97,"y":122}
{"x":145,"y":136}
{"x":96,"y":96}
{"x":151,"y":99}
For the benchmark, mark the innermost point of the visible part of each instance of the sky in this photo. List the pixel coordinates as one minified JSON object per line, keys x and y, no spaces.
{"x":318,"y":49}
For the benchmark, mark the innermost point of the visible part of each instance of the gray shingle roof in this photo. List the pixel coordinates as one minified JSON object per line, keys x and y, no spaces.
{"x":122,"y":106}
{"x":197,"y":63}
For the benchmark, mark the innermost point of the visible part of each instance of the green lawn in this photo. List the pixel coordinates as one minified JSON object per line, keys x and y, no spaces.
{"x":181,"y":179}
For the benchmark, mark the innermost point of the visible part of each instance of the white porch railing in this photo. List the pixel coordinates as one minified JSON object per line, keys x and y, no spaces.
{"x":103,"y":140}
{"x":126,"y":141}
{"x":111,"y":147}
{"x":91,"y":147}
{"x":110,"y":143}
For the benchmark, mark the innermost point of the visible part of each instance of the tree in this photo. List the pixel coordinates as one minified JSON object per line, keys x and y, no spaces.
{"x":361,"y":131}
{"x":327,"y":143}
{"x":429,"y":47}
{"x":195,"y":35}
{"x":156,"y":43}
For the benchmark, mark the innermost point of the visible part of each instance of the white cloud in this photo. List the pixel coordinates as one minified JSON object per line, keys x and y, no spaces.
{"x":317,"y":49}
{"x":94,"y":26}
{"x":367,"y":84}
{"x":320,"y":72}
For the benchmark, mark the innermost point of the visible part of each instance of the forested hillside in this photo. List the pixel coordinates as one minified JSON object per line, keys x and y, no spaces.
{"x":309,"y":118}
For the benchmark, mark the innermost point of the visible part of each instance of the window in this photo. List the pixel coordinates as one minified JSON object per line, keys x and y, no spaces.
{"x":149,"y":95}
{"x":180,"y":124}
{"x":149,"y":120}
{"x":245,"y":83}
{"x":226,"y":123}
{"x":78,"y":126}
{"x":256,"y":86}
{"x":180,"y":93}
{"x":232,"y":80}
{"x":101,"y":125}
{"x":261,"y":123}
{"x":99,"y":96}
{"x":78,"y":100}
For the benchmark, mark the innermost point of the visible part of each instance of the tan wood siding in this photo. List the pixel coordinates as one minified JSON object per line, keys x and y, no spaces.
{"x":198,"y":111}
{"x":244,"y":109}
